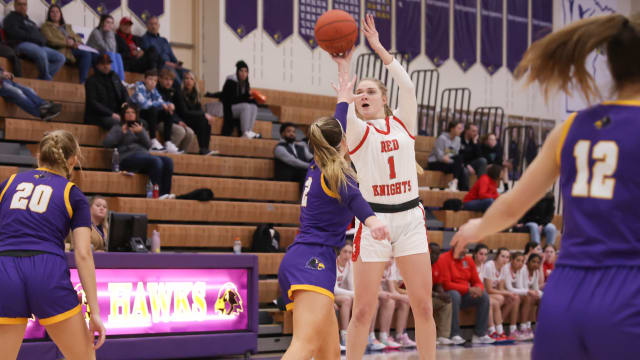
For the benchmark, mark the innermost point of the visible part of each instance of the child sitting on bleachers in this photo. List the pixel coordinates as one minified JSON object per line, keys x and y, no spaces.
{"x":484,"y":191}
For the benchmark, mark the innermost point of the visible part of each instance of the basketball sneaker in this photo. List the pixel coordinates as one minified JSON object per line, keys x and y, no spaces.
{"x":405,"y":341}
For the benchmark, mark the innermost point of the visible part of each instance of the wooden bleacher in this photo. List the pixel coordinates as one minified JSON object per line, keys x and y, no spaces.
{"x":241,"y":178}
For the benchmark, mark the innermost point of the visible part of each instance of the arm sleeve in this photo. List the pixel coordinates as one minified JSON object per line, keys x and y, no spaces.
{"x":407,"y":102}
{"x":81,"y":213}
{"x":356,"y":128}
{"x":353,"y":200}
{"x":143,"y":138}
{"x":172,"y":56}
{"x":341,"y":114}
{"x":488,"y":270}
{"x":14,"y":30}
{"x":485,"y":190}
{"x":93,"y":101}
{"x":283,"y":155}
{"x":156,"y":99}
{"x":113,"y":137}
{"x":54,"y":37}
{"x":447,"y":282}
{"x":96,"y":41}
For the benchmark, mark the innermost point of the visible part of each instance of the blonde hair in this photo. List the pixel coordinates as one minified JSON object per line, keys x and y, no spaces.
{"x":105,"y":221}
{"x":56,"y":148}
{"x":325,"y":137}
{"x":383,"y":91}
{"x":558,"y":59}
{"x":195,"y":85}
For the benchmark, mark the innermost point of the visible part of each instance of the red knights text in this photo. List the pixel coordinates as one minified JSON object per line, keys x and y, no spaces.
{"x":389,"y":145}
{"x":398,"y":188}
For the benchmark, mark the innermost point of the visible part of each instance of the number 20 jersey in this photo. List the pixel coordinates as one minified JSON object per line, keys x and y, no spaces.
{"x":600,"y":186}
{"x":385,"y":161}
{"x":37,"y":210}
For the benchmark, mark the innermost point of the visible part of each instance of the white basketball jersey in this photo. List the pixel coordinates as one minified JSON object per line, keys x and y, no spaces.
{"x":385,"y":161}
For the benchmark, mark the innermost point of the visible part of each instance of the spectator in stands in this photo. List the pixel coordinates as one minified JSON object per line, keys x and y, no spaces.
{"x":129,"y":47}
{"x":181,"y":134}
{"x":24,"y":36}
{"x":395,"y":301}
{"x":480,"y":255}
{"x":534,"y":248}
{"x":492,"y":152}
{"x":515,"y":277}
{"x":103,"y":39}
{"x":445,"y":157}
{"x":238,"y":104}
{"x":460,"y":279}
{"x":60,"y":36}
{"x":549,"y":261}
{"x":343,"y":290}
{"x":507,"y":303}
{"x":470,"y":151}
{"x":105,"y":95}
{"x":26,"y":99}
{"x":153,"y":39}
{"x":8,"y":53}
{"x":484,"y":191}
{"x":191,"y":110}
{"x":99,"y":223}
{"x":539,"y":219}
{"x":291,"y":158}
{"x":154,"y":110}
{"x":133,"y":142}
{"x":441,"y":302}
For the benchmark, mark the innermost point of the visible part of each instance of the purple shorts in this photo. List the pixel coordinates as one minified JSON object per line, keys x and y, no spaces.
{"x":589,"y":313}
{"x":38,"y":285}
{"x":310,"y":267}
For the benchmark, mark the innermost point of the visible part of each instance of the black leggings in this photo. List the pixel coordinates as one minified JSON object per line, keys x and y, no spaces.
{"x":153,"y":115}
{"x":200,"y":125}
{"x":456,"y":168}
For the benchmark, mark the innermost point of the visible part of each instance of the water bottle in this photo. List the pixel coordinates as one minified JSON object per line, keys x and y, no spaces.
{"x":237,"y":246}
{"x":156,"y":191}
{"x":155,"y":241}
{"x":149,"y":190}
{"x":115,"y":161}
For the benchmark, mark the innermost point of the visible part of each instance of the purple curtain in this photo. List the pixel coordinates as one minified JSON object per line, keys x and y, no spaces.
{"x":491,"y":35}
{"x":277,"y":18}
{"x":242,"y":16}
{"x":408,"y":28}
{"x":103,"y":6}
{"x":308,"y":13}
{"x":144,"y":9}
{"x":517,"y":30}
{"x":437,"y":32}
{"x":60,"y":3}
{"x":353,"y":8}
{"x":381,"y":11}
{"x":542,"y":18}
{"x":464,"y":32}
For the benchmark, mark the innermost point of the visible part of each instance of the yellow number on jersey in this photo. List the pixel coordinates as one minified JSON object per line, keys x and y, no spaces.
{"x":39,"y":201}
{"x":602,"y":184}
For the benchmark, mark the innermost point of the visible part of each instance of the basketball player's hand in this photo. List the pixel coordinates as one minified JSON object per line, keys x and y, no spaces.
{"x":377,"y":228}
{"x":344,"y":90}
{"x":370,"y":32}
{"x":96,"y":326}
{"x":465,"y":235}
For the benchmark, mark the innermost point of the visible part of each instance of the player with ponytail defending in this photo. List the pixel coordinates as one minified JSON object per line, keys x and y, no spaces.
{"x":37,"y":210}
{"x":591,"y":303}
{"x":330,"y":199}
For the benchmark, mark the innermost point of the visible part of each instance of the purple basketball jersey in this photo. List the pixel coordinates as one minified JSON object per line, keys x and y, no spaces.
{"x":37,"y":210}
{"x":600,"y":186}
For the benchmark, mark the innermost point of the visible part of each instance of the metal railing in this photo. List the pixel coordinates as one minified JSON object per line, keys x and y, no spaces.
{"x":489,"y":119}
{"x":454,"y":105}
{"x":426,"y":83}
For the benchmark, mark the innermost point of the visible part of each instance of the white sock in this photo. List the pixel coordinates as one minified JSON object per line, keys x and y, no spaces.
{"x":343,"y":335}
{"x":492,"y":329}
{"x":512,"y":329}
{"x":383,"y":336}
{"x":372,"y":336}
{"x":528,"y":324}
{"x":523,"y":327}
{"x":500,"y":329}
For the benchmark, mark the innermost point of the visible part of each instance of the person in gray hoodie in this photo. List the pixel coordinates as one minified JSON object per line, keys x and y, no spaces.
{"x":103,"y":39}
{"x":445,"y":155}
{"x":132,"y":142}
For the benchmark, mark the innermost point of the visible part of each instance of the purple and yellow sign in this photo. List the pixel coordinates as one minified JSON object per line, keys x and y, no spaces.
{"x":155,"y":301}
{"x":103,"y":6}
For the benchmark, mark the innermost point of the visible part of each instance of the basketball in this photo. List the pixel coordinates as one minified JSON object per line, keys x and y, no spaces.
{"x":336,"y":31}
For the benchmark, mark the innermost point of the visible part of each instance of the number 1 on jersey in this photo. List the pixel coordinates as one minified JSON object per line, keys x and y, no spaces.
{"x":392,"y":167}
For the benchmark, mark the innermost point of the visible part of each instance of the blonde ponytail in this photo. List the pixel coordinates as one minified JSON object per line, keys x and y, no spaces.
{"x":56,"y":147}
{"x":325,"y":137}
{"x":558,"y":59}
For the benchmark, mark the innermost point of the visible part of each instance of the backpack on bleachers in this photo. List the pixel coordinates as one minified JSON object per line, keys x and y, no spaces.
{"x":452,"y":204}
{"x":265,"y":239}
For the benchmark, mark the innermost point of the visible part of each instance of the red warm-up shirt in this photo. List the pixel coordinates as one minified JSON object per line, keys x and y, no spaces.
{"x":458,"y":274}
{"x":435,"y":274}
{"x":547,"y":268}
{"x":484,"y":188}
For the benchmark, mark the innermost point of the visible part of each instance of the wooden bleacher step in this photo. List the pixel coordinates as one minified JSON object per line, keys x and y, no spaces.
{"x":215,"y":236}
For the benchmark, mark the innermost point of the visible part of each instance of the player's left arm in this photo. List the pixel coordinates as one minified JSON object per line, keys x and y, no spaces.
{"x":407,"y":102}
